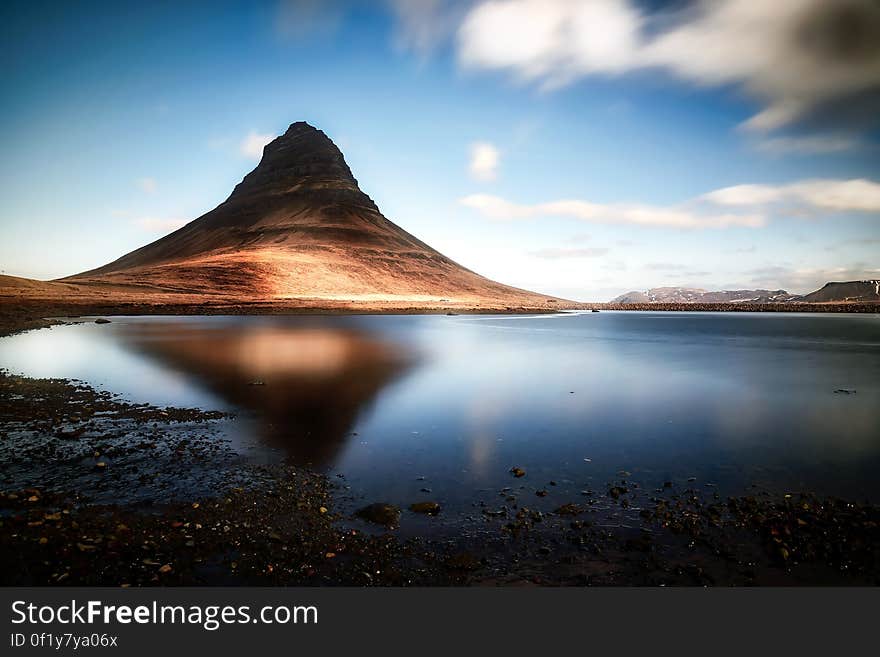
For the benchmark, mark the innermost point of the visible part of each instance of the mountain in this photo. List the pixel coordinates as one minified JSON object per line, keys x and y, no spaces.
{"x":299,"y":227}
{"x":697,"y":295}
{"x":845,"y":291}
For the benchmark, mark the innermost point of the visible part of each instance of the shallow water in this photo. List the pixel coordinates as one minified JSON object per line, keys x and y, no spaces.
{"x":397,"y":404}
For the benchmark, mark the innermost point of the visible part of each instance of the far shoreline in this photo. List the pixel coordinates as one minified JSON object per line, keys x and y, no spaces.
{"x":789,"y":307}
{"x":21,"y":313}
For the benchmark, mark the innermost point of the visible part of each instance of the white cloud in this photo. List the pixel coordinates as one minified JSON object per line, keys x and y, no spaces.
{"x":808,"y":144}
{"x":555,"y":41}
{"x":147,"y":184}
{"x":556,"y":253}
{"x":793,"y":55}
{"x":252,"y":145}
{"x":484,"y":161}
{"x":159,"y":224}
{"x":498,"y":208}
{"x":752,"y":203}
{"x":857,"y":195}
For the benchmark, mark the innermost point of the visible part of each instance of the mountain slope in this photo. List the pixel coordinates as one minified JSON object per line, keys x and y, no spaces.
{"x":845,"y":291}
{"x":298,"y":226}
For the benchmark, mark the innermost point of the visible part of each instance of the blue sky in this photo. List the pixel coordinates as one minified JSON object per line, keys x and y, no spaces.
{"x":579,"y":149}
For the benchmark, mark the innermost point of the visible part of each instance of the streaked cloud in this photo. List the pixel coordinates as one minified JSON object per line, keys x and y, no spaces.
{"x":484,"y":161}
{"x":858,"y":195}
{"x":754,"y":204}
{"x":808,"y":144}
{"x":560,"y":253}
{"x":159,"y":224}
{"x":252,"y":145}
{"x":495,"y":207}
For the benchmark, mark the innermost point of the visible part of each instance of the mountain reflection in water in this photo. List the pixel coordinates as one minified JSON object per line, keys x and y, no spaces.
{"x":305,"y":387}
{"x":445,"y":406}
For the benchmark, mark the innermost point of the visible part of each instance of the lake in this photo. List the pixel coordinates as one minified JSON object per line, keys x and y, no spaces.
{"x":410,"y":408}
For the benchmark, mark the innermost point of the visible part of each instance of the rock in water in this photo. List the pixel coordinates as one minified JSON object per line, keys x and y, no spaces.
{"x":429,"y":508}
{"x":380,"y":513}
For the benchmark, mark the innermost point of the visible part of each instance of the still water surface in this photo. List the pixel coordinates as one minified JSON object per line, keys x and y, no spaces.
{"x":399,"y":404}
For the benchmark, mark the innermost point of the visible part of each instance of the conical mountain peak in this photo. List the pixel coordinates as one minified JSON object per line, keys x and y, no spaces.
{"x":303,"y":162}
{"x":298,"y":226}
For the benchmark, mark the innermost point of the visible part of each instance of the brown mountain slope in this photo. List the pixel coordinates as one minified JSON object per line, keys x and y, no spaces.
{"x":846,"y":291}
{"x":298,"y":227}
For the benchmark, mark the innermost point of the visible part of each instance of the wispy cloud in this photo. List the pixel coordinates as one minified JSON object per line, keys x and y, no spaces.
{"x":484,"y":161}
{"x":424,"y":24}
{"x":742,"y":249}
{"x":753,"y":205}
{"x":159,"y":224}
{"x":252,"y":145}
{"x":808,"y":144}
{"x":857,"y":195}
{"x":495,"y":207}
{"x":559,"y":253}
{"x":147,"y":185}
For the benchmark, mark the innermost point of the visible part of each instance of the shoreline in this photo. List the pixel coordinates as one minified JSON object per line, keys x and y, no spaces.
{"x":171,"y":505}
{"x":855,"y":307}
{"x":19,"y":314}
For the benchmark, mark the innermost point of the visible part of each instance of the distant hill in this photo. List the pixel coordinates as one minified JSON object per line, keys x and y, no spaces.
{"x":698,"y":295}
{"x":845,"y":291}
{"x":835,"y":292}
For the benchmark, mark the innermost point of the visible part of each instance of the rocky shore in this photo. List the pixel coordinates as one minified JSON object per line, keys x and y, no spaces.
{"x":96,"y":490}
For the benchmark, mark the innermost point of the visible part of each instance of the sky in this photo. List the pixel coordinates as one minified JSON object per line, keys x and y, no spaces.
{"x":576,"y":148}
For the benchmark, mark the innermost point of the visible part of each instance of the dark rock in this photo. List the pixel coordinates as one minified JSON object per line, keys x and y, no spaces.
{"x":429,"y":508}
{"x":568,"y":510}
{"x":380,"y":513}
{"x":616,"y":491}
